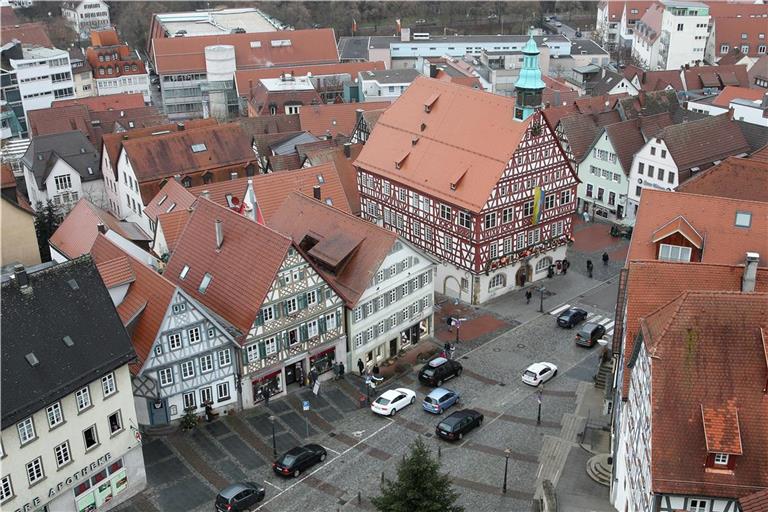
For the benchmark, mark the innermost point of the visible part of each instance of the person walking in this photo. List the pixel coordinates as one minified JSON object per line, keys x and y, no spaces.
{"x":605,"y":258}
{"x":360,"y":366}
{"x":265,"y":395}
{"x":565,"y":264}
{"x":300,"y":375}
{"x":589,"y":268}
{"x":313,"y":375}
{"x":528,"y":296}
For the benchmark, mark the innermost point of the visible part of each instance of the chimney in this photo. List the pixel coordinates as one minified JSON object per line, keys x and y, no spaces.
{"x":219,"y":234}
{"x":180,"y":126}
{"x":730,"y":113}
{"x":358,"y":114}
{"x":750,"y":272}
{"x":102,"y":228}
{"x":347,"y":149}
{"x":22,"y":279}
{"x":205,"y":194}
{"x":316,"y":192}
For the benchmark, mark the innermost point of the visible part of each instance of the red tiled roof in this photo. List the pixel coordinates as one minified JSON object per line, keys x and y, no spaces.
{"x":694,"y":374}
{"x":172,"y":193}
{"x":252,"y":50}
{"x":555,"y":84}
{"x":300,"y":216}
{"x":149,"y":296}
{"x":756,"y":502}
{"x":173,"y":224}
{"x":713,"y":218}
{"x":77,"y":233}
{"x":736,"y":9}
{"x":107,"y":102}
{"x":6,"y":176}
{"x":104,"y":37}
{"x":116,"y":272}
{"x":761,"y":155}
{"x":729,"y":30}
{"x":7,"y":16}
{"x":648,"y":26}
{"x":731,"y":93}
{"x":335,"y":119}
{"x":735,"y":178}
{"x":346,"y":169}
{"x":581,"y":130}
{"x":641,"y":7}
{"x":628,"y":137}
{"x":242,"y":270}
{"x":682,"y":226}
{"x":703,"y":141}
{"x":262,"y":99}
{"x":284,"y":162}
{"x":35,"y":34}
{"x":247,"y":79}
{"x":700,"y":77}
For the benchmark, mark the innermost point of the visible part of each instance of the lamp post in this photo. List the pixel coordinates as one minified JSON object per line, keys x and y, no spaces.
{"x":541,"y":299}
{"x":506,"y":467}
{"x":538,"y":399}
{"x":274,"y":442}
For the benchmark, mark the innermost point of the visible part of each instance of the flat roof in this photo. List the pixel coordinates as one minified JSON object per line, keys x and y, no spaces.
{"x":217,"y":22}
{"x":297,"y":83}
{"x":391,"y":76}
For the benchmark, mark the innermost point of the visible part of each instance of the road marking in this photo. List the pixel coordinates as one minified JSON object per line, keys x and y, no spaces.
{"x":604,"y":322}
{"x":273,"y":485}
{"x":559,"y":309}
{"x":326,"y":465}
{"x":358,"y":434}
{"x":331,"y":450}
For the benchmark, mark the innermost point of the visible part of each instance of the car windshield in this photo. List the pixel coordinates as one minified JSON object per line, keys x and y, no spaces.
{"x":287,"y":460}
{"x":429,"y":372}
{"x":529,"y":373}
{"x":382,"y":401}
{"x":430,"y":400}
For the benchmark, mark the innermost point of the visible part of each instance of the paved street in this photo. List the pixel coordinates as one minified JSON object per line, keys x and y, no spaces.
{"x":186,"y":470}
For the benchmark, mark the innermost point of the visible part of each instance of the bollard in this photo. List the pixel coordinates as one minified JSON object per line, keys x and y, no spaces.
{"x":439,"y":452}
{"x":359,"y":497}
{"x":382,"y":477}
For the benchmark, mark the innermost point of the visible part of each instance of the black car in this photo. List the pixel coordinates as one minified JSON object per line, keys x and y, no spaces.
{"x":589,"y":334}
{"x":571,"y":317}
{"x":239,"y":497}
{"x":299,"y":459}
{"x":459,"y":423}
{"x":438,"y":370}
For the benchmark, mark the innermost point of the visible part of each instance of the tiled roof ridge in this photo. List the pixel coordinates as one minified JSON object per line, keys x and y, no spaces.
{"x":749,"y":162}
{"x":649,"y":339}
{"x":181,"y":133}
{"x":718,"y":198}
{"x":677,"y":218}
{"x":687,"y":263}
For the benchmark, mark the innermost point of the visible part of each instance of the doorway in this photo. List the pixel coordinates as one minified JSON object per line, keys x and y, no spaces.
{"x":523,"y":276}
{"x":294,"y":373}
{"x":158,"y":412}
{"x":393,"y":347}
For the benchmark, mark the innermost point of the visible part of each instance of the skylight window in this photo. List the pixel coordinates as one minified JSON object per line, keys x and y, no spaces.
{"x":743,"y":219}
{"x":173,"y":205}
{"x":184,"y":271}
{"x":329,"y":201}
{"x":207,"y":278}
{"x":320,"y":179}
{"x":198,"y":148}
{"x":162,"y":200}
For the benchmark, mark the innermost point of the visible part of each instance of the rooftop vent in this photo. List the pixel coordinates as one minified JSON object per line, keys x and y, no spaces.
{"x":32,"y":359}
{"x":280,"y":42}
{"x":68,"y":341}
{"x":73,"y":284}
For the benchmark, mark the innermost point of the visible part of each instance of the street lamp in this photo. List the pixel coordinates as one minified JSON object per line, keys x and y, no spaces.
{"x":541,"y":299}
{"x":538,"y":398}
{"x":506,"y":466}
{"x":274,"y":442}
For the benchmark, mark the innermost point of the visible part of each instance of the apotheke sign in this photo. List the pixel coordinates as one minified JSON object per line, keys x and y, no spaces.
{"x":38,"y":501}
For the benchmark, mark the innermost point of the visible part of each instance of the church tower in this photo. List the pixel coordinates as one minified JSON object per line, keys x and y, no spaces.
{"x":529,"y":85}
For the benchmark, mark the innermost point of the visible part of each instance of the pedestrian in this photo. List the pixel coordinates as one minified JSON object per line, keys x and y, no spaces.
{"x":589,"y":268}
{"x":446,"y":348}
{"x":452,"y":350}
{"x":566,"y":264}
{"x":265,"y":394}
{"x":313,"y":375}
{"x":528,"y":296}
{"x":300,"y":375}
{"x":449,"y":321}
{"x":375,"y":369}
{"x":550,"y":271}
{"x":341,"y":370}
{"x":605,"y":258}
{"x":360,"y":366}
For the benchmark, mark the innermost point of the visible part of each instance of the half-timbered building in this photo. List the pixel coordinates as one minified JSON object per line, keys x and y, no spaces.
{"x":475,"y":179}
{"x":185,"y":355}
{"x":284,"y":316}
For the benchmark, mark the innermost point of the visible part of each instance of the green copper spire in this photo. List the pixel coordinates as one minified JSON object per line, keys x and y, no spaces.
{"x":529,"y":84}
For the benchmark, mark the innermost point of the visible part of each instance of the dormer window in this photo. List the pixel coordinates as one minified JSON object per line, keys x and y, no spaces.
{"x":674,"y":253}
{"x":721,"y":459}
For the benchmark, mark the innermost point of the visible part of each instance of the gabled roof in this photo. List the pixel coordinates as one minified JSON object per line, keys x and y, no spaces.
{"x":255,"y":50}
{"x":173,"y":225}
{"x":464,"y":129}
{"x":279,"y":123}
{"x":35,"y":34}
{"x":285,"y":144}
{"x":734,"y":178}
{"x":679,"y":225}
{"x":709,"y":218}
{"x":335,"y":119}
{"x":116,"y":272}
{"x":278,"y":163}
{"x":345,"y":168}
{"x":723,"y":412}
{"x":581,"y":130}
{"x":582,"y":105}
{"x":361,"y":246}
{"x":172,"y":197}
{"x":242,"y":270}
{"x":703,"y":141}
{"x":731,"y":93}
{"x":755,"y":502}
{"x":68,"y":299}
{"x":729,"y":30}
{"x":190,"y":150}
{"x":262,"y":99}
{"x":149,"y":295}
{"x":105,"y":102}
{"x":649,"y":103}
{"x":72,"y":147}
{"x":648,"y":27}
{"x":628,"y":137}
{"x":701,"y":77}
{"x":77,"y":233}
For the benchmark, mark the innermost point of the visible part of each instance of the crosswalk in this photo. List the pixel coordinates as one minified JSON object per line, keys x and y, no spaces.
{"x":605,"y":321}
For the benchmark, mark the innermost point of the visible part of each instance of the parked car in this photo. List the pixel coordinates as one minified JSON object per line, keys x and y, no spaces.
{"x":538,"y":373}
{"x":438,"y":370}
{"x":239,"y":497}
{"x":454,"y":427}
{"x":298,"y":459}
{"x":558,"y":24}
{"x":571,"y":317}
{"x":439,"y":399}
{"x":589,"y":334}
{"x":421,"y":22}
{"x":392,"y":401}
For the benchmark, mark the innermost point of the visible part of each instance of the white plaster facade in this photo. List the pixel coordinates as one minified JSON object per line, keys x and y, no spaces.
{"x":603,"y":188}
{"x":372,"y":90}
{"x":398,"y":301}
{"x":124,"y":192}
{"x":68,"y":471}
{"x":64,"y":186}
{"x":43,"y":75}
{"x":124,"y":84}
{"x":86,"y":15}
{"x":652,"y":167}
{"x":682,"y":39}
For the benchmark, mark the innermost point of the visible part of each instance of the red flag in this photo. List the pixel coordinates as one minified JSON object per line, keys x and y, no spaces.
{"x":354,"y":26}
{"x":259,"y":216}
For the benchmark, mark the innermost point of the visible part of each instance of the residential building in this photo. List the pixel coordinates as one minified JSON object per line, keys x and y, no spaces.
{"x":577,"y":132}
{"x":679,"y":151}
{"x":343,"y":159}
{"x":387,"y":85}
{"x":198,"y":71}
{"x":82,"y":74}
{"x":758,"y":73}
{"x":386,"y":283}
{"x":493,"y":207}
{"x":616,"y":20}
{"x":185,"y":355}
{"x":366,"y":121}
{"x":86,"y":15}
{"x":700,"y":78}
{"x":69,"y":430}
{"x":62,"y":168}
{"x":284,"y":316}
{"x":18,"y":225}
{"x":500,"y":69}
{"x":583,"y":53}
{"x":747,"y":105}
{"x":671,"y":34}
{"x":284,"y":95}
{"x":736,"y":26}
{"x":451,"y":70}
{"x":116,"y":68}
{"x":196,"y":156}
{"x":337,"y":120}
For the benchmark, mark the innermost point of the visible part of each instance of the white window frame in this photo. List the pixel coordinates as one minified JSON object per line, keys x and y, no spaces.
{"x":270,"y":346}
{"x":6,"y":488}
{"x":26,"y":430}
{"x":358,"y":340}
{"x":54,"y":414}
{"x":312,"y":328}
{"x":62,"y":454}
{"x":165,"y":377}
{"x":489,"y":220}
{"x":174,"y":339}
{"x":311,"y":297}
{"x":507,"y":215}
{"x":358,"y":313}
{"x":83,"y":398}
{"x":697,"y":505}
{"x":223,"y":396}
{"x":267,"y":313}
{"x":291,"y":305}
{"x":721,"y":459}
{"x":108,"y":386}
{"x":189,"y":400}
{"x":330,"y":321}
{"x":465,"y":220}
{"x":206,"y":363}
{"x":95,"y":437}
{"x":35,"y":470}
{"x":187,"y":370}
{"x":206,"y":395}
{"x":683,"y":254}
{"x":194,"y":335}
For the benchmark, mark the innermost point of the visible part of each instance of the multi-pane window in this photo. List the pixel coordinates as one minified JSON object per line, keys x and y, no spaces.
{"x":270,"y":345}
{"x":62,"y":454}
{"x":311,"y":297}
{"x":26,"y":430}
{"x":187,"y":370}
{"x":549,"y":201}
{"x":194,"y":335}
{"x":490,"y":220}
{"x":206,"y":363}
{"x":267,"y":313}
{"x":697,"y":506}
{"x":330,"y":321}
{"x":721,"y":458}
{"x":90,"y":437}
{"x":63,"y":182}
{"x":358,"y":313}
{"x":83,"y":398}
{"x":358,"y":340}
{"x":34,"y":470}
{"x":674,"y":253}
{"x":55,"y":417}
{"x":312,"y":329}
{"x":392,"y":296}
{"x":222,"y":391}
{"x":6,"y":488}
{"x":174,"y":341}
{"x":445,"y":212}
{"x":507,"y":214}
{"x":465,"y":220}
{"x":565,"y":197}
{"x":291,"y":305}
{"x":520,"y":241}
{"x":108,"y":385}
{"x":189,"y":400}
{"x":206,"y":395}
{"x":165,"y":376}
{"x":528,"y":209}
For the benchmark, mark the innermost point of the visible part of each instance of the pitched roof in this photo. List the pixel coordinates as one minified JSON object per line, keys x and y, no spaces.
{"x":8,"y":16}
{"x":279,"y":123}
{"x":35,"y":34}
{"x":262,"y":99}
{"x":72,"y":147}
{"x":76,"y":234}
{"x":583,"y":105}
{"x":655,"y":80}
{"x":760,"y":155}
{"x":146,"y":302}
{"x":648,"y":27}
{"x":649,"y":103}
{"x":284,"y":162}
{"x":105,"y":102}
{"x":628,"y":137}
{"x":188,"y":150}
{"x":345,"y":168}
{"x":729,"y":30}
{"x":171,"y":197}
{"x":701,"y":77}
{"x":116,"y":272}
{"x":173,"y":224}
{"x":335,"y":119}
{"x":242,"y":270}
{"x":712,"y":217}
{"x":466,"y":133}
{"x":703,"y":141}
{"x":46,"y":121}
{"x":755,"y":502}
{"x":255,"y":50}
{"x":724,"y":412}
{"x":734,"y":178}
{"x":732,"y":57}
{"x":68,"y":299}
{"x":6,"y":176}
{"x":581,"y":130}
{"x":358,"y":244}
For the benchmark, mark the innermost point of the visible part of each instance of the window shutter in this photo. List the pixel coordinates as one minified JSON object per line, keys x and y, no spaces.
{"x":284,"y":305}
{"x":276,"y":310}
{"x":321,"y":324}
{"x":302,"y":299}
{"x":259,"y":318}
{"x":303,"y":332}
{"x":262,"y":350}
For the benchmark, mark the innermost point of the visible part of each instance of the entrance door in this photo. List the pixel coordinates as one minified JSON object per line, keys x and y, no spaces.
{"x":620,"y":212}
{"x":158,"y":412}
{"x":393,"y":347}
{"x":290,"y":374}
{"x":522,"y":276}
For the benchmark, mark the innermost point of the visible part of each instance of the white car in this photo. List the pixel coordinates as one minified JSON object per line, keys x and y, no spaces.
{"x":539,"y":373}
{"x":392,"y":401}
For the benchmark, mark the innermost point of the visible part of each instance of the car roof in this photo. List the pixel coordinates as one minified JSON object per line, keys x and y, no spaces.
{"x":536,"y":367}
{"x":589,"y":326}
{"x":463,"y":413}
{"x":571,"y":310}
{"x":233,"y":490}
{"x":296,"y":450}
{"x":438,"y":361}
{"x":438,"y":392}
{"x":390,"y":394}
